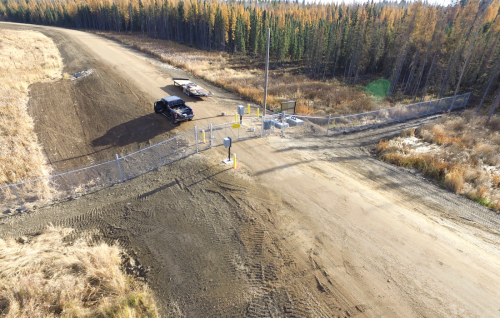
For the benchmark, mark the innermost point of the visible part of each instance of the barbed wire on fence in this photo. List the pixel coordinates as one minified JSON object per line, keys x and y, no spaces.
{"x":72,"y":184}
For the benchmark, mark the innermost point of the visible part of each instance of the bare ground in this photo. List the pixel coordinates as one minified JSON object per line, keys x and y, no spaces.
{"x":307,"y":227}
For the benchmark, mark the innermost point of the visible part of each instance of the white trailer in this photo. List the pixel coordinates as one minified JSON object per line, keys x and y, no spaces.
{"x":191,"y":89}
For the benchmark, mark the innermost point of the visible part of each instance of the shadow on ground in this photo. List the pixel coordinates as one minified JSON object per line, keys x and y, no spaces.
{"x":137,"y":130}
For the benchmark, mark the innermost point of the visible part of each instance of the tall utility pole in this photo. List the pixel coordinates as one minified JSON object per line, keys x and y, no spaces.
{"x":267,"y":69}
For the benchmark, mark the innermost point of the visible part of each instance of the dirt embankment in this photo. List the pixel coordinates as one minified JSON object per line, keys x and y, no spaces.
{"x":86,"y":121}
{"x":25,"y":57}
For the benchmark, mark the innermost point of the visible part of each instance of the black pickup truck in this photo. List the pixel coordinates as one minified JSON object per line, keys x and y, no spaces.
{"x":174,"y":108}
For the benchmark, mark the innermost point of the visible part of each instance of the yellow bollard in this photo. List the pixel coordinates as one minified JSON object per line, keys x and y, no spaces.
{"x":203,"y":135}
{"x":258,"y":112}
{"x":248,"y":109}
{"x":234,"y":161}
{"x":236,"y":117}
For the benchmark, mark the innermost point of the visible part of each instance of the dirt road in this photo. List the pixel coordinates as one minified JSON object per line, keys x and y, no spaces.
{"x":89,"y":120}
{"x":307,"y":227}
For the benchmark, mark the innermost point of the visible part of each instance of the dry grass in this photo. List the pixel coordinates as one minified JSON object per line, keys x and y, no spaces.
{"x":26,"y":57}
{"x":454,"y":179}
{"x":465,"y":156}
{"x":244,"y":76}
{"x":50,"y":278}
{"x":496,"y":180}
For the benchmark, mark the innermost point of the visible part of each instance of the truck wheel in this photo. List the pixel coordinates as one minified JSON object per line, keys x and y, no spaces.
{"x":172,"y":120}
{"x":158,"y":109}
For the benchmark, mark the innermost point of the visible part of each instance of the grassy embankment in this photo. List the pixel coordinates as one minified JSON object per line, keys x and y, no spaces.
{"x":460,"y":152}
{"x":244,"y":75}
{"x":48,"y":277}
{"x":25,"y":57}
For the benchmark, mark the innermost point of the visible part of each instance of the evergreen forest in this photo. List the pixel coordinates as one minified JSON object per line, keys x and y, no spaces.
{"x":420,"y":48}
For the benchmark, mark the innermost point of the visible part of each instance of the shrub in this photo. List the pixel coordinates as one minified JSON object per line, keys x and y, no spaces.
{"x":464,"y":145}
{"x":480,"y":197}
{"x":48,"y":277}
{"x":454,"y":180}
{"x":408,"y":132}
{"x":496,"y":180}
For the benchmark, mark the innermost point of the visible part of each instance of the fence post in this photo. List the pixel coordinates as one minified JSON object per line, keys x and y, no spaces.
{"x":159,"y":152}
{"x":17,"y":196}
{"x":436,"y":107}
{"x":328,"y":128}
{"x":283,"y":120}
{"x":119,"y":167}
{"x":211,"y":136}
{"x":428,"y":108}
{"x":400,"y":111}
{"x":466,"y":99}
{"x":72,"y":184}
{"x":452,"y":102}
{"x":262,"y":127}
{"x":196,"y":137}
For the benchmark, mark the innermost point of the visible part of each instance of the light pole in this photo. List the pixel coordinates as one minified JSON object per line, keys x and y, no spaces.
{"x":267,"y":70}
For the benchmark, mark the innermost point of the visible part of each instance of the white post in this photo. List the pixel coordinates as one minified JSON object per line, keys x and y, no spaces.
{"x":283,"y":120}
{"x":159,"y":152}
{"x":119,"y":167}
{"x":328,"y":128}
{"x":262,"y":128}
{"x":305,"y":130}
{"x":72,"y":184}
{"x":196,"y":137}
{"x":211,"y":136}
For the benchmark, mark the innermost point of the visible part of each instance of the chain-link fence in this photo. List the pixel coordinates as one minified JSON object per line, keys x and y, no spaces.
{"x":26,"y":195}
{"x":238,"y":130}
{"x":82,"y":181}
{"x":309,"y":125}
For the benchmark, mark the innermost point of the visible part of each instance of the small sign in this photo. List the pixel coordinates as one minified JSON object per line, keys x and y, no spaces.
{"x":288,"y":106}
{"x":236,"y":126}
{"x":241,"y":110}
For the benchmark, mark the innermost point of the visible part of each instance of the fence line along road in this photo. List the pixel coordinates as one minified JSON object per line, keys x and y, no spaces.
{"x":71,"y":184}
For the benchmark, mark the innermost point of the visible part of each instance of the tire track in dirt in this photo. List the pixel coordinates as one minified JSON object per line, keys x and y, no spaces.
{"x":201,"y":239}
